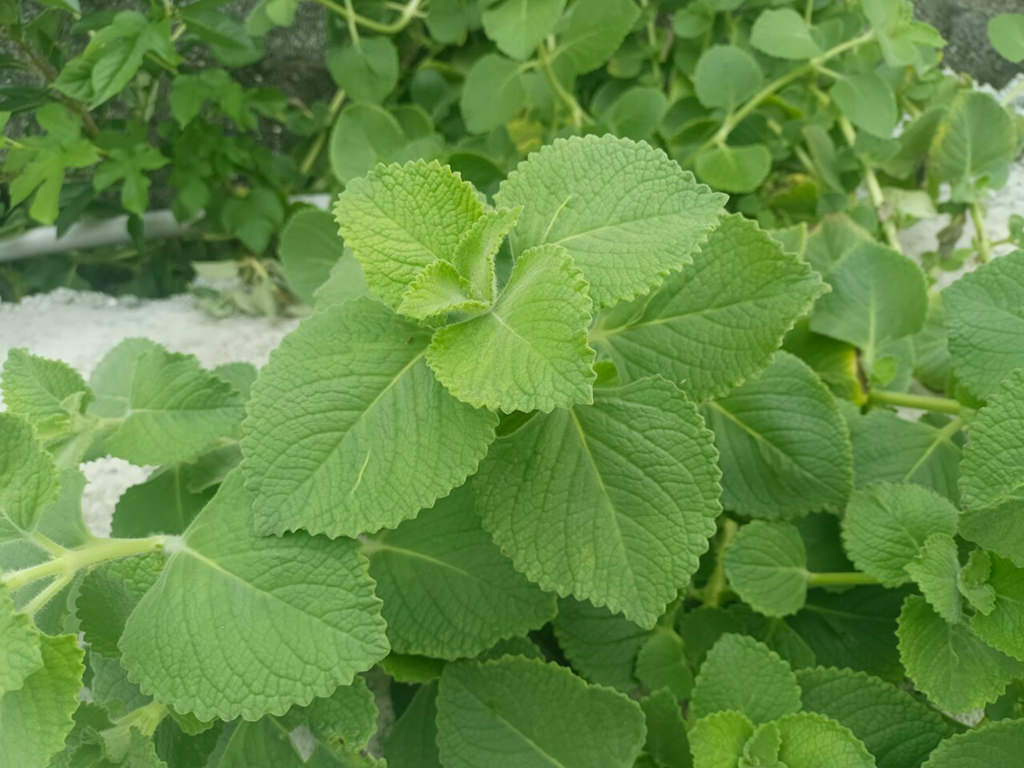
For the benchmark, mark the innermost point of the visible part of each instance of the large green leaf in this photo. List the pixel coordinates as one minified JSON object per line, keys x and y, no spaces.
{"x":1006,"y":33}
{"x":726,"y":76}
{"x":518,"y":26}
{"x":627,"y":214}
{"x":867,"y":101}
{"x":367,"y":70}
{"x":493,"y":93}
{"x":448,"y":591}
{"x":46,"y":393}
{"x":975,"y":139}
{"x":524,"y":713}
{"x":239,"y":624}
{"x":593,"y":30}
{"x":529,"y":351}
{"x":309,"y":246}
{"x":785,"y":450}
{"x":809,"y":740}
{"x":28,"y":479}
{"x":1003,"y":626}
{"x":783,"y":33}
{"x":634,"y":475}
{"x":19,"y":645}
{"x":718,"y":321}
{"x":601,"y":646}
{"x":734,"y":169}
{"x":346,"y":426}
{"x":766,"y":565}
{"x":993,"y":745}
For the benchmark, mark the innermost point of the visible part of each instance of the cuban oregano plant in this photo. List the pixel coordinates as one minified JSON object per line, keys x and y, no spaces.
{"x":588,"y":473}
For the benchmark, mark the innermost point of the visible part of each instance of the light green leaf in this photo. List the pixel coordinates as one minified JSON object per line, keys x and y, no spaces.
{"x":518,"y":26}
{"x":889,"y":448}
{"x":412,"y":742}
{"x":899,"y":730}
{"x":524,"y":713}
{"x":173,"y":411}
{"x":1006,"y":33}
{"x":975,"y":139}
{"x":1003,"y":626}
{"x":264,"y":741}
{"x":626,"y":213}
{"x":661,"y":664}
{"x":994,"y":745}
{"x":593,"y":30}
{"x":783,"y":33}
{"x":766,"y":565}
{"x":401,"y":218}
{"x":344,"y":722}
{"x":529,"y":352}
{"x":345,"y":282}
{"x":35,"y":719}
{"x":107,"y":596}
{"x":474,"y":256}
{"x":726,"y":76}
{"x":734,"y":169}
{"x":973,"y":582}
{"x":867,"y":101}
{"x":19,"y":645}
{"x":877,"y":295}
{"x":324,"y":446}
{"x":784,"y":447}
{"x":716,"y":741}
{"x":129,"y":165}
{"x":985,"y":319}
{"x":28,"y":478}
{"x":493,"y":93}
{"x":638,"y":525}
{"x":637,"y":112}
{"x":667,"y":742}
{"x":742,"y":674}
{"x":886,"y":524}
{"x":438,"y":290}
{"x":810,"y":740}
{"x":367,"y":70}
{"x":448,"y":592}
{"x":46,"y":393}
{"x":719,"y":320}
{"x":990,"y":476}
{"x":948,"y":663}
{"x":309,"y":246}
{"x":299,"y":609}
{"x":362,"y":136}
{"x":936,"y":569}
{"x":601,"y":646}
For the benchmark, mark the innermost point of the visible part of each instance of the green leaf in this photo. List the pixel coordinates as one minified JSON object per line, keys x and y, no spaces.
{"x":173,"y":410}
{"x":742,"y":674}
{"x":627,"y":214}
{"x":975,"y":140}
{"x":107,"y":596}
{"x":309,"y":247}
{"x":1006,"y":33}
{"x":726,"y":76}
{"x":810,"y":740}
{"x":993,"y":745}
{"x":344,"y":722}
{"x":265,"y":741}
{"x":474,"y":256}
{"x":1003,"y":626}
{"x":889,"y":448}
{"x":20,"y":655}
{"x":766,"y":565}
{"x":401,"y":218}
{"x":296,"y":615}
{"x":529,"y":351}
{"x":48,"y":394}
{"x":784,"y":448}
{"x":899,"y":730}
{"x":783,"y":33}
{"x":936,"y":569}
{"x":594,"y":29}
{"x":365,"y":135}
{"x":886,"y":524}
{"x":877,"y":295}
{"x":985,"y":319}
{"x":517,"y":27}
{"x":718,"y":321}
{"x":716,"y":741}
{"x":35,"y":719}
{"x":947,"y":662}
{"x":734,"y":169}
{"x":367,"y":70}
{"x":438,"y":290}
{"x":129,"y":166}
{"x":525,"y":713}
{"x":28,"y":478}
{"x":448,"y":592}
{"x":867,"y":101}
{"x":228,"y":41}
{"x":493,"y":93}
{"x":667,"y":742}
{"x":637,"y":112}
{"x":661,"y":664}
{"x":990,"y":476}
{"x":639,"y":523}
{"x":337,"y":460}
{"x":412,"y":741}
{"x":601,"y":646}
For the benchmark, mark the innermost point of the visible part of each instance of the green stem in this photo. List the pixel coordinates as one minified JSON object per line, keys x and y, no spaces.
{"x":409,"y":11}
{"x":144,"y":719}
{"x":984,"y":244}
{"x":735,"y":118}
{"x":809,"y":11}
{"x":918,"y":402}
{"x":321,"y":139}
{"x":716,"y":587}
{"x":73,"y":560}
{"x":353,"y":28}
{"x":37,"y":603}
{"x":874,"y":188}
{"x":578,"y":113}
{"x":842,"y":579}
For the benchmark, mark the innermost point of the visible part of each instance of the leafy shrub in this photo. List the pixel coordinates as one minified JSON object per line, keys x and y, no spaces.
{"x":599,"y":475}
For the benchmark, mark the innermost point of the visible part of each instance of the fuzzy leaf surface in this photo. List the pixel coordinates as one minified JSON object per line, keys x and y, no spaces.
{"x":1003,"y":626}
{"x":766,"y":565}
{"x":19,"y":645}
{"x":28,"y":478}
{"x":994,"y":745}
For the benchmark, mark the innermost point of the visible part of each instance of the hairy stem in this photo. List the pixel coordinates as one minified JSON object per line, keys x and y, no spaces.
{"x":984,"y":244}
{"x":715,"y":589}
{"x":37,"y":603}
{"x":73,"y":560}
{"x":841,"y":579}
{"x":874,"y":189}
{"x":918,"y":402}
